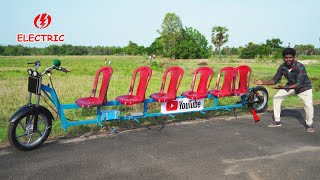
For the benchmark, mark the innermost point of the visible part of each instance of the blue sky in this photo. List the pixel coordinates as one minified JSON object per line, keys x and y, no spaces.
{"x":115,"y":22}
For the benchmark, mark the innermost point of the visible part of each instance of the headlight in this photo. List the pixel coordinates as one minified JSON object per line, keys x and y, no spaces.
{"x":30,"y":72}
{"x":35,"y":73}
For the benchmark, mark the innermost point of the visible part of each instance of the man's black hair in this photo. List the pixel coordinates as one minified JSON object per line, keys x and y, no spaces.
{"x":290,"y":51}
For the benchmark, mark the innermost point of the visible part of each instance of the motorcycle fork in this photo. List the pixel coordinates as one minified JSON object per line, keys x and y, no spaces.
{"x":35,"y":115}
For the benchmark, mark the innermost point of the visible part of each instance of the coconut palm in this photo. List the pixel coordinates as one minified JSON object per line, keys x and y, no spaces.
{"x":219,"y":37}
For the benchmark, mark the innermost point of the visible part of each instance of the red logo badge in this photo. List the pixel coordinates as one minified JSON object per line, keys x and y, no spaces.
{"x":172,"y":105}
{"x":42,"y":21}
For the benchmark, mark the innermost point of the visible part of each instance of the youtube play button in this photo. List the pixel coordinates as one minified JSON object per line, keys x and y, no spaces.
{"x":172,"y":106}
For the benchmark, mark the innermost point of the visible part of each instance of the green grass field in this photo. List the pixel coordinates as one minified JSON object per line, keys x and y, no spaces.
{"x":78,"y":83}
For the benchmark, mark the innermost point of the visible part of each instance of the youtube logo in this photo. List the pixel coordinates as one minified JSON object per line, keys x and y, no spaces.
{"x":180,"y":105}
{"x":172,"y":106}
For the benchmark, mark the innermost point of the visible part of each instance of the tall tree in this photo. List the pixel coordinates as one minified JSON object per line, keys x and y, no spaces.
{"x":156,"y":47}
{"x":272,"y":47}
{"x":192,"y":45}
{"x":132,"y":48}
{"x":219,"y":37}
{"x":274,"y":43}
{"x":170,"y":33}
{"x":250,"y":51}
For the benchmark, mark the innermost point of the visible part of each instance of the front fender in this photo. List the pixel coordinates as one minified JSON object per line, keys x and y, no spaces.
{"x":30,"y":109}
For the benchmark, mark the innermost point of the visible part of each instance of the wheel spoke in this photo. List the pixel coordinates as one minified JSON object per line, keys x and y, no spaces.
{"x":41,"y":120}
{"x":30,"y":138}
{"x":39,"y":132}
{"x":24,"y":128}
{"x":22,"y":135}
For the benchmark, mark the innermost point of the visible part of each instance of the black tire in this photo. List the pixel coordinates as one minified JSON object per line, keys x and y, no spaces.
{"x":259,"y":98}
{"x":22,"y":135}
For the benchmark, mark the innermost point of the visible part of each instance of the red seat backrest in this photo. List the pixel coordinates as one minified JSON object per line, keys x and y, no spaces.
{"x":228,"y":81}
{"x":176,"y":74}
{"x":106,"y":76}
{"x":206,"y":74}
{"x":244,"y":73}
{"x":145,"y":75}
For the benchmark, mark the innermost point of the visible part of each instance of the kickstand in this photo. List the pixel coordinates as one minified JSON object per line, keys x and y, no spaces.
{"x":235,"y":113}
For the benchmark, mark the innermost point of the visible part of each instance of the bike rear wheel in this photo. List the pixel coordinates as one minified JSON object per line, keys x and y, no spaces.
{"x":259,"y":97}
{"x":29,"y":131}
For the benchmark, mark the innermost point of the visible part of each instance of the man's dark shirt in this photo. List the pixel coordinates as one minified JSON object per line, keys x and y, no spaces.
{"x":297,"y":75}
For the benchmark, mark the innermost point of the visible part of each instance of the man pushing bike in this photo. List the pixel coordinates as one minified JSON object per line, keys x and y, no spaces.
{"x":298,"y":83}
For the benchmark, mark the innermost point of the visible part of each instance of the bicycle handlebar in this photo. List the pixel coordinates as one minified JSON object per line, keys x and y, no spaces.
{"x":49,"y":69}
{"x":56,"y":66}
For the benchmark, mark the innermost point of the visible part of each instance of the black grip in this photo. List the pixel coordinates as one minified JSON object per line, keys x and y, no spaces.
{"x":36,"y":63}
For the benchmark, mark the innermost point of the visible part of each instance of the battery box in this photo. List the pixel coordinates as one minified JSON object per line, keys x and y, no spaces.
{"x":107,"y":115}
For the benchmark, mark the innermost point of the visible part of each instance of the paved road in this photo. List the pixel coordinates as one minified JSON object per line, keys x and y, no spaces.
{"x":219,"y":148}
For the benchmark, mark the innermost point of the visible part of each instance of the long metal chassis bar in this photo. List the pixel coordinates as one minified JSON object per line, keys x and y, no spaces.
{"x":67,"y":123}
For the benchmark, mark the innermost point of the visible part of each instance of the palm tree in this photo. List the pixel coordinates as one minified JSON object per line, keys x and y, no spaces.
{"x":219,"y":37}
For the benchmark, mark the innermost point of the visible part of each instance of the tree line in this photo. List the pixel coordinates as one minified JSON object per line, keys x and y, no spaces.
{"x":175,"y":41}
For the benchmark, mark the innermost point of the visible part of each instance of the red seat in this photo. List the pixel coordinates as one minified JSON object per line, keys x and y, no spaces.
{"x":130,"y":99}
{"x":176,"y":74}
{"x":228,"y":82}
{"x":206,"y":74}
{"x":243,"y":77}
{"x":93,"y":100}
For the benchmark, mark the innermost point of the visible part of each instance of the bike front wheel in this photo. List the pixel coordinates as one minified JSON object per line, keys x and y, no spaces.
{"x":29,"y":131}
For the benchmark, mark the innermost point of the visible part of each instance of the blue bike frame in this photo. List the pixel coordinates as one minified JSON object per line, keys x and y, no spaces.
{"x":52,"y":96}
